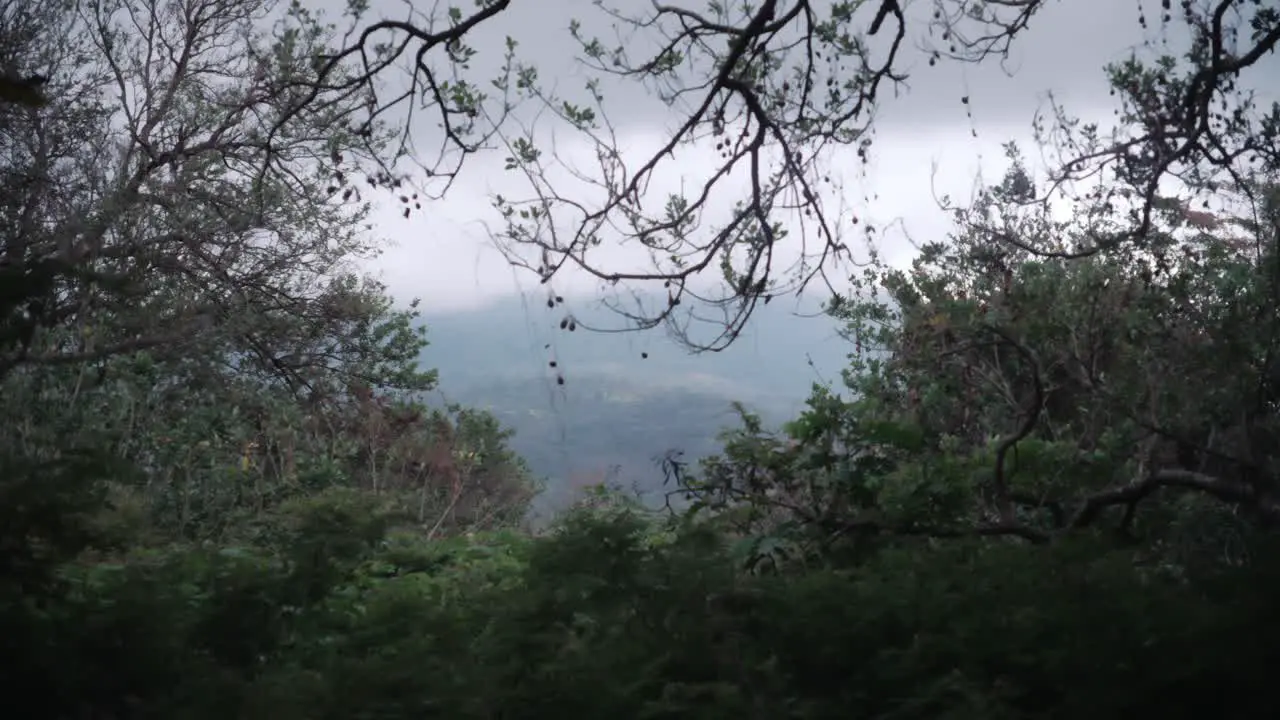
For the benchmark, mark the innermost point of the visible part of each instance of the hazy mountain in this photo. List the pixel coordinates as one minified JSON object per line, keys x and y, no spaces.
{"x":626,"y":398}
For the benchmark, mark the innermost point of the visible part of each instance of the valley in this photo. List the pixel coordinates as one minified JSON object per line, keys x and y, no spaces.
{"x":589,"y":406}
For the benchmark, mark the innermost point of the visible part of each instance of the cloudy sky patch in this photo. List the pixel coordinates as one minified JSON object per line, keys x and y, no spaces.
{"x":927,"y":141}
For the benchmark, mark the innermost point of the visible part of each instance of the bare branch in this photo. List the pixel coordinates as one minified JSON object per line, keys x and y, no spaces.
{"x":1031,"y":416}
{"x":1133,"y":493}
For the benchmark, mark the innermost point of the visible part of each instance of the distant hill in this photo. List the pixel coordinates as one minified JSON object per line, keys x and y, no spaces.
{"x":626,"y":398}
{"x":604,"y":427}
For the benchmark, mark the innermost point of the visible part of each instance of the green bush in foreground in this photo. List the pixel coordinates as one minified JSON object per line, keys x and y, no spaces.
{"x":616,"y":615}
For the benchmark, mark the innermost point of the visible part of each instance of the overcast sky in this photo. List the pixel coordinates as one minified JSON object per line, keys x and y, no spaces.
{"x":444,"y":254}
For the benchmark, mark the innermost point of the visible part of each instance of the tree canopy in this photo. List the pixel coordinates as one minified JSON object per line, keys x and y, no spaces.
{"x":1047,"y":486}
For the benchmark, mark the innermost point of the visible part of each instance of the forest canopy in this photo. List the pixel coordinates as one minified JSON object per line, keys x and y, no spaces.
{"x":1045,"y":487}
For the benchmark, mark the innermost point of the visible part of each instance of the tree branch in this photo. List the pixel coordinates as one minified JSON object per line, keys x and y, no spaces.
{"x":1134,"y":493}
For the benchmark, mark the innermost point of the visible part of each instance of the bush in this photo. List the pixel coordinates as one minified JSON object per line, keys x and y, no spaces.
{"x":617,"y":614}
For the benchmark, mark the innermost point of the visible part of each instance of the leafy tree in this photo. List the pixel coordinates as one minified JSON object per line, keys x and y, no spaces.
{"x":1001,"y":393}
{"x":614,"y":613}
{"x":180,"y":281}
{"x":180,"y":203}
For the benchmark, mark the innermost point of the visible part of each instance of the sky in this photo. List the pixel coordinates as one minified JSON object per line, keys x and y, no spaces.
{"x":926,"y":143}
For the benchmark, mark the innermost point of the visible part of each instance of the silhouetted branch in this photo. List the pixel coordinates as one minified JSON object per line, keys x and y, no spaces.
{"x":1031,"y":415}
{"x":1130,"y":495}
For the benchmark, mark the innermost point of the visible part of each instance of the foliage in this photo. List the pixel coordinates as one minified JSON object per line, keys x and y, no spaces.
{"x":180,"y":287}
{"x":596,"y":619}
{"x":1002,"y":394}
{"x":1051,"y":494}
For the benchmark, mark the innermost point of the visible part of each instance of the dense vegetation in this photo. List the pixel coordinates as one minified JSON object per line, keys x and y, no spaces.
{"x":1048,"y":489}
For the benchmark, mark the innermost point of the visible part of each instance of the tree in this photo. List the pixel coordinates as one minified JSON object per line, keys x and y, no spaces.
{"x":777,"y":87}
{"x":158,"y":195}
{"x":181,"y":288}
{"x":1019,"y":396}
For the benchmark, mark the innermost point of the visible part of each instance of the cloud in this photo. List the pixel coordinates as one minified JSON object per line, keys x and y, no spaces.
{"x":444,"y":254}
